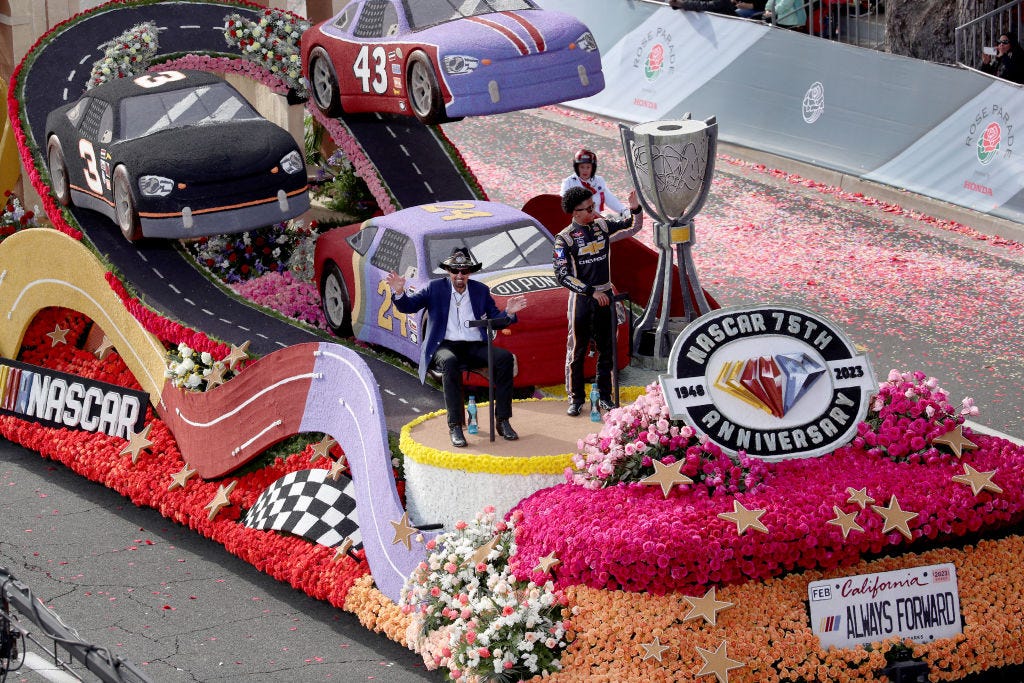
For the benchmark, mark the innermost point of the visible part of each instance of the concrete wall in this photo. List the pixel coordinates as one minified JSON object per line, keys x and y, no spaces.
{"x":935,"y":130}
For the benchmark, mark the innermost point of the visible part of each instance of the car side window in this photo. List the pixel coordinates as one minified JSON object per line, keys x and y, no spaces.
{"x":396,"y":252}
{"x":76,"y":112}
{"x":362,"y":240}
{"x":371,"y":21}
{"x":93,"y":119}
{"x":345,"y":19}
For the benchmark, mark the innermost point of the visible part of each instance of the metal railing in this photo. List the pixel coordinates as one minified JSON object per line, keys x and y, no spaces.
{"x":971,"y":38}
{"x":40,"y":626}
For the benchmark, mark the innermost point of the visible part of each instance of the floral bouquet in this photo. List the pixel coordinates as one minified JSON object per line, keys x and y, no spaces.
{"x":274,"y":249}
{"x":194,"y":371}
{"x":343,"y":190}
{"x":636,"y":435}
{"x":472,"y":616}
{"x":14,"y":216}
{"x":129,"y":54}
{"x":272,"y":42}
{"x":909,"y":410}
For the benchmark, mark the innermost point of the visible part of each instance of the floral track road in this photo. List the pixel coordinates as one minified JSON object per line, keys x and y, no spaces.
{"x":916,"y":294}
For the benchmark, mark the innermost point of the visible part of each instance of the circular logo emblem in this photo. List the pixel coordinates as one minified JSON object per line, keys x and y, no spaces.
{"x":773,"y":381}
{"x":814,"y":102}
{"x":988,"y":143}
{"x":655,"y":60}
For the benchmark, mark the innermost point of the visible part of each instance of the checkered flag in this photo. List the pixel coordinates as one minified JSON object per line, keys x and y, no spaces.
{"x":308,"y":503}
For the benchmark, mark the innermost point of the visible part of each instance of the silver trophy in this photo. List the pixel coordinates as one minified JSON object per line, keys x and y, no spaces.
{"x":671,"y":163}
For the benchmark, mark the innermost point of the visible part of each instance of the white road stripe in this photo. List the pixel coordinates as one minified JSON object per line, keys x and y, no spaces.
{"x":48,"y":669}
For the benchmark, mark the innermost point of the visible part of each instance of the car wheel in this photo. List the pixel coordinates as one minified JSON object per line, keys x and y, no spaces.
{"x":423,"y":92}
{"x":335,"y":302}
{"x":323,"y":83}
{"x":124,"y":206}
{"x":58,"y":171}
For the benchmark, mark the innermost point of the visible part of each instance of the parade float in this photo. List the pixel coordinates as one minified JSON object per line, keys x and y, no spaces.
{"x":766,"y":511}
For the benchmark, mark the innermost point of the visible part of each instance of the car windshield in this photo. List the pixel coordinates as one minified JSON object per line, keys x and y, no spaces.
{"x":424,"y":13}
{"x":515,"y":246}
{"x":152,"y":112}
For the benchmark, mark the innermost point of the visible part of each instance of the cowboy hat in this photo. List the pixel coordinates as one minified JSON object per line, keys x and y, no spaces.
{"x":461,"y":259}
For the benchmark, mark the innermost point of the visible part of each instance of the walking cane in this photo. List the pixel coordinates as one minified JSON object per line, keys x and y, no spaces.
{"x":489,"y":324}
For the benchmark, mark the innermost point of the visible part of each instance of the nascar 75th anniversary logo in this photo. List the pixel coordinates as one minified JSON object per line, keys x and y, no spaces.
{"x":774,"y":381}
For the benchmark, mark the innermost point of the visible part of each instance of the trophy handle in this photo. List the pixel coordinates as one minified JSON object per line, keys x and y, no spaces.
{"x":709,"y":170}
{"x":626,"y":134}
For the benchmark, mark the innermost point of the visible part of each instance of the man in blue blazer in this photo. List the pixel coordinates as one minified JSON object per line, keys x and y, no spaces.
{"x":451,"y":345}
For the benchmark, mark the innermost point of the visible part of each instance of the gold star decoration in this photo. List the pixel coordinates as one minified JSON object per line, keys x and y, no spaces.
{"x":707,"y":607}
{"x":667,"y":476}
{"x":847,"y":521}
{"x":138,"y":442}
{"x":403,"y":531}
{"x":105,"y":347}
{"x":547,"y":563}
{"x":221,"y":500}
{"x":744,"y":518}
{"x":859,"y":496}
{"x":978,"y":481}
{"x":482,"y":552}
{"x":895,"y":517}
{"x":337,"y":468}
{"x":322,"y":449}
{"x":955,"y":441}
{"x":238,"y":353}
{"x":216,"y":375}
{"x":58,"y":336}
{"x":179,"y":478}
{"x":342,"y":550}
{"x":718,"y":662}
{"x":653,"y":649}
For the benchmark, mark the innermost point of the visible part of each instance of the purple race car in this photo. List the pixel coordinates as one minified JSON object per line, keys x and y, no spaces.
{"x":441,"y":60}
{"x":515,"y":249}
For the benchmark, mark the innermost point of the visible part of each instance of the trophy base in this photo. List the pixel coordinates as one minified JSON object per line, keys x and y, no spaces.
{"x":645,"y":356}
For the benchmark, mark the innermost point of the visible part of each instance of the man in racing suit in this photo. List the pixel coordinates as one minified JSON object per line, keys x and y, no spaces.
{"x":582,"y":265}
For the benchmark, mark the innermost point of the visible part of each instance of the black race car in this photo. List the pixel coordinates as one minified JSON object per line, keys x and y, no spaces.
{"x":174,"y":154}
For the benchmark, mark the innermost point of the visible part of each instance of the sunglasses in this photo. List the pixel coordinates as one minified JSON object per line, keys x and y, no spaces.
{"x":1003,"y":42}
{"x":459,"y":271}
{"x":588,"y":208}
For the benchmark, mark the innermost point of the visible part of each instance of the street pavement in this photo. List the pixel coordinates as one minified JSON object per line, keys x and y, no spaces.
{"x":176,"y":605}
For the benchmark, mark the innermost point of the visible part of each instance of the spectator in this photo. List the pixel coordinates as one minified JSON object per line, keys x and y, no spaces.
{"x":726,"y":7}
{"x":1008,"y":62}
{"x":789,"y":14}
{"x":750,"y":10}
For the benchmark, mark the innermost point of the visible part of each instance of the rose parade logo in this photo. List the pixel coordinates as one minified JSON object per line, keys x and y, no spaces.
{"x":655,"y":54}
{"x":773,"y":381}
{"x":813,"y":104}
{"x":991,"y":134}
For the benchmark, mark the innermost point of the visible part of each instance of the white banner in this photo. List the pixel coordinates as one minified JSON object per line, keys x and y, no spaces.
{"x":644,"y":70}
{"x":972,"y":158}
